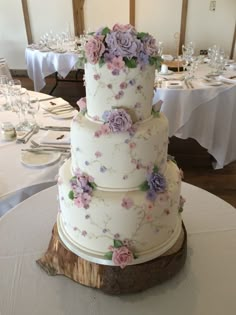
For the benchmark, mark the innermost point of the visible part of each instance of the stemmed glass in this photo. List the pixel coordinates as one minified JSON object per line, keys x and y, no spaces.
{"x":32,"y":109}
{"x":4,"y":91}
{"x":16,"y":108}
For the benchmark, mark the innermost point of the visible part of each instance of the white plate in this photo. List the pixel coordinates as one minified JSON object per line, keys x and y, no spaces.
{"x":213,"y":83}
{"x":169,"y":72}
{"x":39,"y":159}
{"x":63,"y":116}
{"x":174,"y":85}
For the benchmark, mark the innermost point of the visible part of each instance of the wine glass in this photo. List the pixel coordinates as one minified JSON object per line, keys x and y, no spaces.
{"x":4,"y":92}
{"x":16,"y":108}
{"x":32,"y":109}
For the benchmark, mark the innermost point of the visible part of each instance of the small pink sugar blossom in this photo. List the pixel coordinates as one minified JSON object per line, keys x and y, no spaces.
{"x":132,"y":145}
{"x":149,"y":217}
{"x":97,"y":133}
{"x":122,"y":256}
{"x":96,"y":77}
{"x":94,"y":49}
{"x":150,"y":206}
{"x":79,"y":202}
{"x":123,"y":85}
{"x":98,"y":154}
{"x":59,"y":180}
{"x":127,"y":203}
{"x":123,"y":28}
{"x":105,"y":129}
{"x":96,"y":118}
{"x":116,"y":63}
{"x":82,"y":103}
{"x":181,"y":174}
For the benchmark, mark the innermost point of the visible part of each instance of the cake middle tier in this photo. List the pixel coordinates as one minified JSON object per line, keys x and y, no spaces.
{"x":119,"y":160}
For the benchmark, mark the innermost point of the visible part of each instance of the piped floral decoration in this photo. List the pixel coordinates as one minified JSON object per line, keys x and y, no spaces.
{"x":120,"y":254}
{"x":82,"y":186}
{"x":119,"y":46}
{"x":115,"y":121}
{"x":155,"y":184}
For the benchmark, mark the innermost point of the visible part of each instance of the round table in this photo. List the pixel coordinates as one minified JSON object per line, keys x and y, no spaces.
{"x":18,"y":182}
{"x":205,"y":113}
{"x":205,"y":286}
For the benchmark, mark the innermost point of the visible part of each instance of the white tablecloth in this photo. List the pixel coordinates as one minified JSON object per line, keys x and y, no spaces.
{"x":17,"y":182}
{"x":207,"y":114}
{"x":205,"y":286}
{"x":41,"y":64}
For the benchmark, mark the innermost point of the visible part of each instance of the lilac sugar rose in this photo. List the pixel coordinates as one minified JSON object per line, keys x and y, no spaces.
{"x":123,"y":44}
{"x":157,"y":182}
{"x":119,"y":120}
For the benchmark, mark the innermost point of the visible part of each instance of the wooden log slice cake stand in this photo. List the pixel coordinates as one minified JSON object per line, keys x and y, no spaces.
{"x":58,"y":260}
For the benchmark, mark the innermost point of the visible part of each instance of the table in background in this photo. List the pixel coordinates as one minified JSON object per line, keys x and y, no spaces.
{"x":204,"y":113}
{"x":17,"y":182}
{"x":206,"y":285}
{"x":40,"y":64}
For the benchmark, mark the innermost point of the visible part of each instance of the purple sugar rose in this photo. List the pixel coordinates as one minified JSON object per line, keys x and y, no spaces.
{"x":119,"y":120}
{"x":149,"y":45}
{"x":157,"y":182}
{"x":123,"y":44}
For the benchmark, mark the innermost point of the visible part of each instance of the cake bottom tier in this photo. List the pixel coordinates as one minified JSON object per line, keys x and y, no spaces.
{"x":147,"y":228}
{"x":58,"y":260}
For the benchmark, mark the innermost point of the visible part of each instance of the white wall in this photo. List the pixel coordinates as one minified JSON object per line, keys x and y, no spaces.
{"x":105,"y":13}
{"x":50,"y":15}
{"x":161,"y":18}
{"x":206,"y":28}
{"x":13,"y":38}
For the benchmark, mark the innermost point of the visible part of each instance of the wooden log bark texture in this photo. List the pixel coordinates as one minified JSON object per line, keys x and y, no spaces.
{"x":58,"y":260}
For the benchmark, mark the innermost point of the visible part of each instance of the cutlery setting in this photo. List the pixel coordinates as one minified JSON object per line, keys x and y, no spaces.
{"x":28,"y":135}
{"x":55,"y":128}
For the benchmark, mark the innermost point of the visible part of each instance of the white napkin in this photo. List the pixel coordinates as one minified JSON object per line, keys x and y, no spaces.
{"x":228,"y":80}
{"x":55,"y":137}
{"x":167,"y":57}
{"x":54,"y":103}
{"x":174,"y":84}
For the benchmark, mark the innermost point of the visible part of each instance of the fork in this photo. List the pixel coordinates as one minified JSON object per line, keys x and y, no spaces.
{"x":37,"y":145}
{"x":28,"y":135}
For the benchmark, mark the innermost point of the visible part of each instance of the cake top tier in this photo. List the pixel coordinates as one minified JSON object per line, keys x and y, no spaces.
{"x":120,"y":72}
{"x":120,"y":45}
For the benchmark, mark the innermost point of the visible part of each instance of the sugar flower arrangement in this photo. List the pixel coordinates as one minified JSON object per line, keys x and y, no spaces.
{"x":155,"y":184}
{"x":119,"y":46}
{"x":115,"y":121}
{"x":120,"y":254}
{"x":82,"y":186}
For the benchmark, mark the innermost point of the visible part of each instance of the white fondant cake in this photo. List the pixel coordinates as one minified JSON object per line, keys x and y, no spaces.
{"x":119,"y":160}
{"x":132,"y":89}
{"x":119,"y":194}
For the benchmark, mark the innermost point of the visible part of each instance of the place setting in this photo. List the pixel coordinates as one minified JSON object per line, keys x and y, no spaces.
{"x":57,"y":108}
{"x":46,"y":149}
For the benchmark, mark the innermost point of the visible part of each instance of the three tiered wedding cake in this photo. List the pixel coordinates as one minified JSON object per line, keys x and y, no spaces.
{"x":119,"y":194}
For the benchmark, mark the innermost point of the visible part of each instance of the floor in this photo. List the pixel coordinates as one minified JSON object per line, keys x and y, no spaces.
{"x":190,"y":156}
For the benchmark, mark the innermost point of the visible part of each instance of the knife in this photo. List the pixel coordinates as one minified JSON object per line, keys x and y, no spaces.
{"x":47,"y":99}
